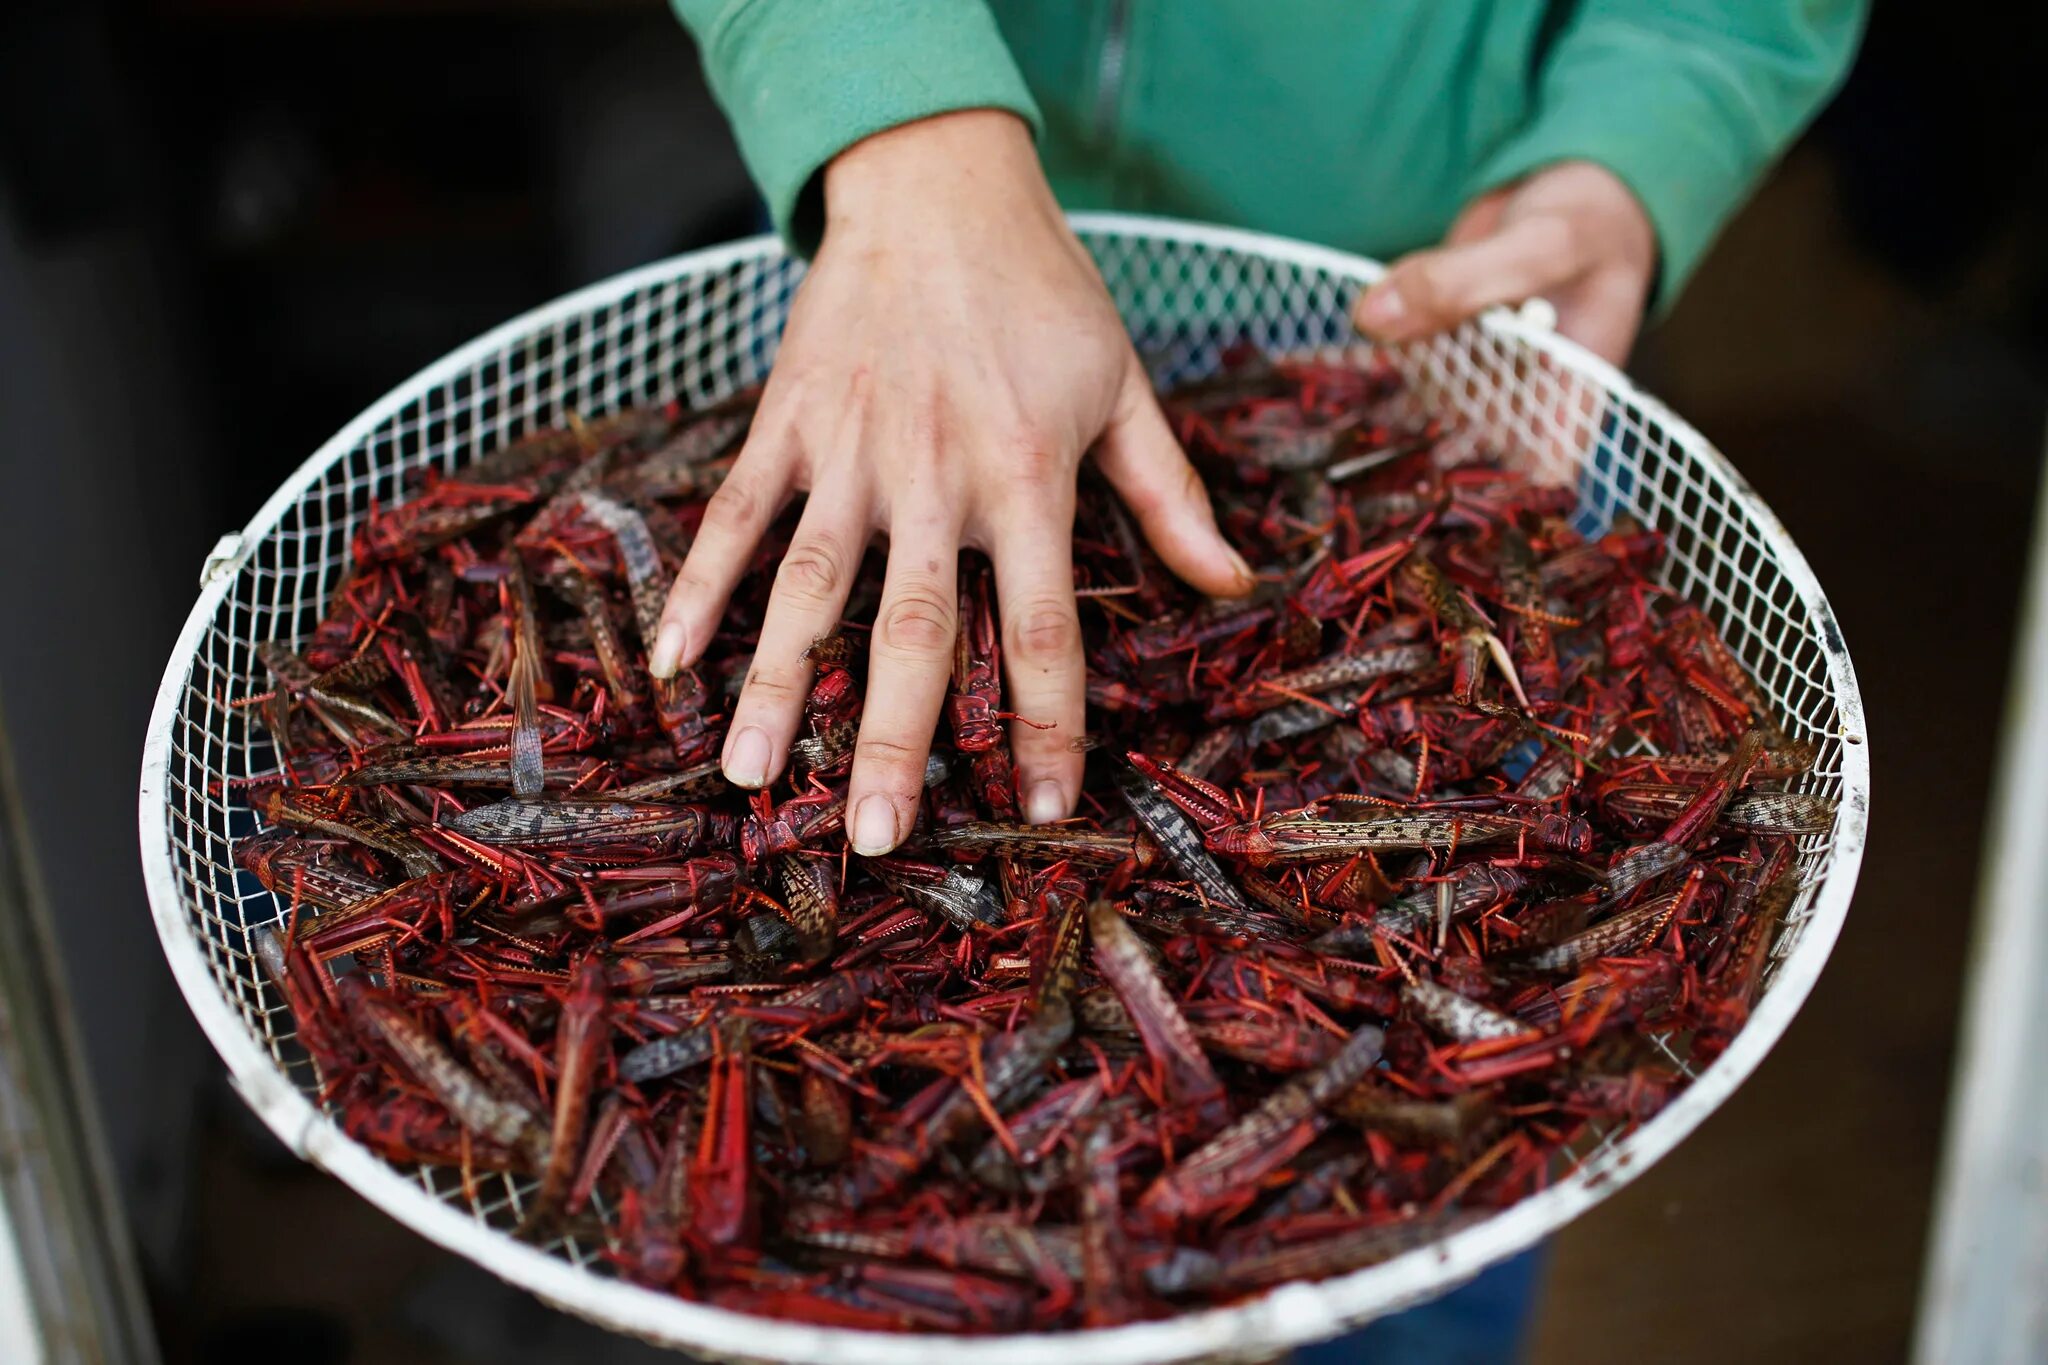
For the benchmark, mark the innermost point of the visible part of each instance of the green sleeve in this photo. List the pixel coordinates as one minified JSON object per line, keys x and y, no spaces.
{"x":1687,"y":101}
{"x":802,"y":81}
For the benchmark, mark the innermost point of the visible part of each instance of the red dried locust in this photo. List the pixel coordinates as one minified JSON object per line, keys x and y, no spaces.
{"x":1383,"y":883}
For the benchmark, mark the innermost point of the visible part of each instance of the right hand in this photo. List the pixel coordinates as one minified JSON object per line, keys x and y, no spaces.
{"x":948,"y":360}
{"x":1572,"y":233}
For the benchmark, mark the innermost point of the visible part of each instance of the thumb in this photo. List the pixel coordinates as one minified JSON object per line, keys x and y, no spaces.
{"x":1480,"y":218}
{"x":1431,"y":291}
{"x":1142,"y":461}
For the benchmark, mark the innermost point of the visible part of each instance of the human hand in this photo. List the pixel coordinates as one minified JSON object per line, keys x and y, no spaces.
{"x":947,"y":361}
{"x":1571,"y":233}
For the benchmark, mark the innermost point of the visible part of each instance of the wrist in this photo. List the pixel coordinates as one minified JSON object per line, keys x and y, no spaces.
{"x":967,"y":156}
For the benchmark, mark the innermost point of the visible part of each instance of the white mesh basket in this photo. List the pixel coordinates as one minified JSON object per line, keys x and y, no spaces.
{"x":700,"y":326}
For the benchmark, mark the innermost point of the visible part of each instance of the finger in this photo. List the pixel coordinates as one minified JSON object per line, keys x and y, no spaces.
{"x":1431,"y":291}
{"x":1041,"y":650}
{"x":810,"y":591}
{"x":1480,"y":218}
{"x":1140,"y":458}
{"x":1603,"y":312}
{"x":734,"y":521}
{"x":910,"y":660}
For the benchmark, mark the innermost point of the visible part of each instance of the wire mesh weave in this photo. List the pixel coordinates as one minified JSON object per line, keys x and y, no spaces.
{"x":698,"y":328}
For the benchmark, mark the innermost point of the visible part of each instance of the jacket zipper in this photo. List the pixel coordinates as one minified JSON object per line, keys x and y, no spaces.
{"x":1109,"y":70}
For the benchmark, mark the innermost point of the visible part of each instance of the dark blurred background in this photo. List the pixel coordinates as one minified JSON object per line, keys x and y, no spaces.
{"x":226,"y":227}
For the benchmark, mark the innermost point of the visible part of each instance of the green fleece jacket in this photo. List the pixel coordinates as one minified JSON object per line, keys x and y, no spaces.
{"x":1361,"y":124}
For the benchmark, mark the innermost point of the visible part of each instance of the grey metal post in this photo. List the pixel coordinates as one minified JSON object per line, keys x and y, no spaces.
{"x":1984,"y":1300}
{"x":71,"y":1286}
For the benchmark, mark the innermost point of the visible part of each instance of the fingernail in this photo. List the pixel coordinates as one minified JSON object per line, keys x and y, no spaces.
{"x":667,"y":653}
{"x":1382,"y":308}
{"x":1243,"y":570}
{"x":1046,"y":803}
{"x":874,"y":826}
{"x":746,"y":760}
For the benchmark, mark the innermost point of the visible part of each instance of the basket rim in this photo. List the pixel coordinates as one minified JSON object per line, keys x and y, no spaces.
{"x":1285,"y":1316}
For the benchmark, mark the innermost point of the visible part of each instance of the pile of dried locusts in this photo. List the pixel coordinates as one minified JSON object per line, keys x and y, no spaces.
{"x":1369,"y":916}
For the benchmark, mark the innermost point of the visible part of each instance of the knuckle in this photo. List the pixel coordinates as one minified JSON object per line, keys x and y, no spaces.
{"x":1032,"y":468}
{"x":1161,"y":495}
{"x":856,"y":392}
{"x":1045,"y":631}
{"x":691,"y":586}
{"x":885,"y":752}
{"x":917,"y":621}
{"x":813,"y":570}
{"x":1142,"y":494}
{"x":928,"y":421}
{"x":1026,"y":439}
{"x":1044,"y":488}
{"x":1553,"y":237}
{"x":772,"y":685}
{"x":890,"y":765}
{"x":1439,"y":286}
{"x":737,"y":503}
